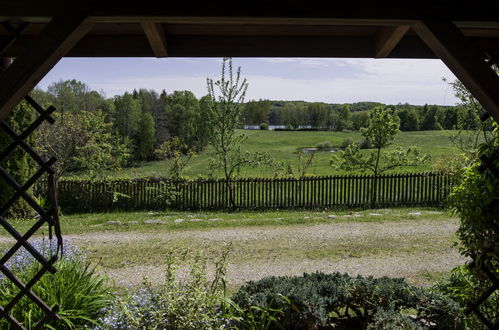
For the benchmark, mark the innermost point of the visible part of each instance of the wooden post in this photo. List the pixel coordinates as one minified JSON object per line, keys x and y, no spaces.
{"x":448,"y":43}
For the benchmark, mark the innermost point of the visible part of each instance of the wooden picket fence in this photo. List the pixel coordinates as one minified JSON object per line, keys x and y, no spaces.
{"x":413,"y":189}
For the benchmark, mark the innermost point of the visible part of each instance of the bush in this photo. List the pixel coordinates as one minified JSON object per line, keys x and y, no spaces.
{"x":339,"y":300}
{"x":189,"y":302}
{"x":324,"y":145}
{"x":81,"y":294}
{"x":463,"y":286}
{"x":264,"y":126}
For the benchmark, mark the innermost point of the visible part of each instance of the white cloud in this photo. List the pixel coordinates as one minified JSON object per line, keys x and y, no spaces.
{"x":341,"y":80}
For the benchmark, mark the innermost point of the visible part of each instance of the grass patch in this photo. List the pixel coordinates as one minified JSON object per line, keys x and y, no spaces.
{"x":435,"y":143}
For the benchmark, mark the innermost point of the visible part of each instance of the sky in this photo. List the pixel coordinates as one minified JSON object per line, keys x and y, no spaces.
{"x":330,"y":80}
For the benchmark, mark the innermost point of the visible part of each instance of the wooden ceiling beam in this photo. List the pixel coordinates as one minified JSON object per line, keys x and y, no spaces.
{"x":468,"y":65}
{"x":388,"y":38}
{"x":156,"y":36}
{"x":60,"y":35}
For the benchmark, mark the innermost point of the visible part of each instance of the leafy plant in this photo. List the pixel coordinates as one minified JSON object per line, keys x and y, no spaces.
{"x":81,"y":294}
{"x":180,"y":302}
{"x":339,"y":300}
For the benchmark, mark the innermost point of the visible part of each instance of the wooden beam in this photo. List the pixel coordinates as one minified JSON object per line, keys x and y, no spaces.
{"x":60,"y":35}
{"x":388,"y":38}
{"x":156,"y":37}
{"x":469,"y":66}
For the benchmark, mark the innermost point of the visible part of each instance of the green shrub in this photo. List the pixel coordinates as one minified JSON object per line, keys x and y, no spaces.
{"x":463,"y":286}
{"x":264,"y":126}
{"x":189,"y":302}
{"x":339,"y":300}
{"x":81,"y":294}
{"x":324,"y":145}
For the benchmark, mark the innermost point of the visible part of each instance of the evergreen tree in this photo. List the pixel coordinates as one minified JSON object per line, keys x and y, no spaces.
{"x":19,"y":165}
{"x":344,"y":118}
{"x":145,"y":138}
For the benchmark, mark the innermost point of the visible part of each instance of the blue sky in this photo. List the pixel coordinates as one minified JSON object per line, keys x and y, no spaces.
{"x":338,"y":80}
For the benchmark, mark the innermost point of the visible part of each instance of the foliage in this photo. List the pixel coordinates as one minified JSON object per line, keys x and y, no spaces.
{"x":102,"y":150}
{"x":62,"y":140}
{"x":344,"y":121}
{"x":225,"y":117}
{"x":180,"y":302}
{"x":383,"y":126}
{"x":19,"y":165}
{"x":339,"y":300}
{"x":81,"y":294}
{"x":475,"y":200}
{"x":464,"y":285}
{"x":264,"y":126}
{"x":146,"y":138}
{"x":256,"y":112}
{"x":470,"y":130}
{"x":177,"y":155}
{"x":302,"y":165}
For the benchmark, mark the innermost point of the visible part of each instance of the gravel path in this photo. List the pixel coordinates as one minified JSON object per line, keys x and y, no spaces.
{"x":412,"y":265}
{"x":409,"y":265}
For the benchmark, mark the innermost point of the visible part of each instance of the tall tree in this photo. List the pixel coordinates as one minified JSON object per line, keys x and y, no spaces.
{"x":127,"y":115}
{"x":227,"y":96}
{"x":145,"y":137}
{"x":344,"y":120}
{"x":383,"y":127}
{"x":19,"y":165}
{"x":256,"y":112}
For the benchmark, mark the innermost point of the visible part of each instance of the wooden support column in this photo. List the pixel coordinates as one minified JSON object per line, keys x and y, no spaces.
{"x":60,"y":35}
{"x":388,"y":38}
{"x":448,"y":43}
{"x":156,"y":36}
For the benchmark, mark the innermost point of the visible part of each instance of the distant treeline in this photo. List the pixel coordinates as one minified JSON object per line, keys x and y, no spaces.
{"x":145,"y":119}
{"x":338,"y":117}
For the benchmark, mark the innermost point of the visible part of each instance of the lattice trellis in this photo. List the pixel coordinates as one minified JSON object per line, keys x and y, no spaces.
{"x":49,"y":216}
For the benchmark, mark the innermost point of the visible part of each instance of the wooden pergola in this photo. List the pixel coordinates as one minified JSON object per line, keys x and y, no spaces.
{"x":461,"y":34}
{"x":37,"y":34}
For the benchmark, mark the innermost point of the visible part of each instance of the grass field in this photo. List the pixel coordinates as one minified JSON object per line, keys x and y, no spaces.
{"x":413,"y":243}
{"x":283,"y":145}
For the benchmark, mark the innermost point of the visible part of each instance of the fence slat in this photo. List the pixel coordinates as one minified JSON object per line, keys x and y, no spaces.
{"x":251,"y":193}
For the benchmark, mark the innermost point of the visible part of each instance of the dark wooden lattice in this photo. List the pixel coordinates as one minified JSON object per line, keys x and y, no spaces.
{"x":46,"y":216}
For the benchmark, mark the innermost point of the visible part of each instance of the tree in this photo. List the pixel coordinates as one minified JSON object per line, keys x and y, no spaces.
{"x":127,"y":115}
{"x":227,"y":96}
{"x":318,"y":115}
{"x":344,"y":120}
{"x":102,"y":151}
{"x":359,"y":119}
{"x":380,"y":133}
{"x":176,"y":155}
{"x":470,"y":131}
{"x":145,"y":137}
{"x":256,"y":112}
{"x":62,"y":140}
{"x":409,"y":120}
{"x":19,"y":165}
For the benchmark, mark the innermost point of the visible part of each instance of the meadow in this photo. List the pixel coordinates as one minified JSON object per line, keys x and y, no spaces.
{"x":283,"y":145}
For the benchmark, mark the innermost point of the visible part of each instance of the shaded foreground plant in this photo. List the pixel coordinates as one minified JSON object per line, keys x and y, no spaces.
{"x":180,"y":302}
{"x":337,"y":300}
{"x":81,"y":294}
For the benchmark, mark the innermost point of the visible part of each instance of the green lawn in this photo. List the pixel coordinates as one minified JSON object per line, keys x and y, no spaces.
{"x":283,"y":147}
